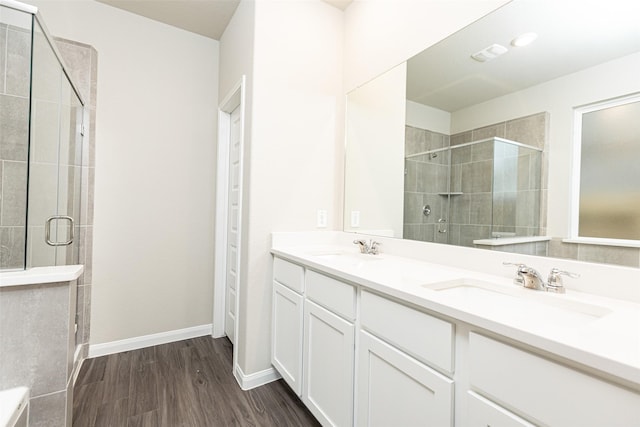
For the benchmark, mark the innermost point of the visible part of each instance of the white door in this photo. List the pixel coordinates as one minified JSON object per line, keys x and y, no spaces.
{"x":233,"y":220}
{"x":329,"y":357}
{"x":395,"y":389}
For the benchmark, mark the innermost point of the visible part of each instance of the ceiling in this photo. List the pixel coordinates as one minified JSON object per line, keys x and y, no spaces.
{"x":572,"y":35}
{"x":208,"y":18}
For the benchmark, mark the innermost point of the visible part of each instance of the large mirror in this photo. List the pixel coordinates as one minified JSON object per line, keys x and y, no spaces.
{"x":473,"y":141}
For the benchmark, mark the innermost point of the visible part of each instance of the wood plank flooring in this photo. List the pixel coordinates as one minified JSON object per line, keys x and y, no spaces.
{"x":183,"y":384}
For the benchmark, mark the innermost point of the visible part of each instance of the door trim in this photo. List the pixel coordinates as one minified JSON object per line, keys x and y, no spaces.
{"x":234,"y":99}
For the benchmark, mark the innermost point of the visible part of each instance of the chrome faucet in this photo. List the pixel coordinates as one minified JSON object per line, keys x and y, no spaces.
{"x":371,"y":248}
{"x":555,"y":281}
{"x":530,"y":278}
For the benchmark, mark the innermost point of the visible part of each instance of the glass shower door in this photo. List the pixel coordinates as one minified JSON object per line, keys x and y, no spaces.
{"x":55,"y":160}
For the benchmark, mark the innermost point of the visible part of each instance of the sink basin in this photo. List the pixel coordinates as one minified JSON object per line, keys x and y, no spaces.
{"x":517,"y":301}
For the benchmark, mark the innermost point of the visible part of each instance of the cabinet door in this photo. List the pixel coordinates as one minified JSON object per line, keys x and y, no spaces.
{"x":286,"y":348}
{"x":395,"y":389}
{"x":328,"y":366}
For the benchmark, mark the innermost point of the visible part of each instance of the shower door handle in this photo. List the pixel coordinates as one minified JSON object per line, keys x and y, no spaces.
{"x":47,"y":230}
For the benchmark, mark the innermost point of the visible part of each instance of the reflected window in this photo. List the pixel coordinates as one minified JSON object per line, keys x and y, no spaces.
{"x":608,"y":151}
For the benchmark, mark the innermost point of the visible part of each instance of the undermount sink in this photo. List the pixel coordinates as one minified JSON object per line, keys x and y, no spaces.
{"x":518,"y":301}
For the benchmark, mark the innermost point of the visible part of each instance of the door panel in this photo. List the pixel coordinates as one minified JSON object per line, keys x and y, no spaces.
{"x":233,"y":220}
{"x":55,"y":162}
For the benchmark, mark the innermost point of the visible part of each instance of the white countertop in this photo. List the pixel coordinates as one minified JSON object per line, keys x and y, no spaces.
{"x":608,"y":341}
{"x":37,"y":275}
{"x":11,"y":403}
{"x":511,"y":240}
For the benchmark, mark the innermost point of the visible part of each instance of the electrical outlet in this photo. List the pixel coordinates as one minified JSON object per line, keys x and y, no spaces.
{"x":322,"y":218}
{"x":355,"y":219}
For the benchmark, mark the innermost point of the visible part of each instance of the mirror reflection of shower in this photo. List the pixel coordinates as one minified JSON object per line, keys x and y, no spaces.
{"x":478,"y":189}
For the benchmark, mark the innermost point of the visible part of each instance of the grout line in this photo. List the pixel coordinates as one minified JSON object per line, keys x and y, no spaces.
{"x":12,"y":95}
{"x":6,"y":58}
{"x":2,"y":191}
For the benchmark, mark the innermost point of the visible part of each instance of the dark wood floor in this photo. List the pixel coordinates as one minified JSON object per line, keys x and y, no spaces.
{"x":186,"y":383}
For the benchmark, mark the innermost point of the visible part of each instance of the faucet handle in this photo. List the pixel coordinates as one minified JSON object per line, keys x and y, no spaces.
{"x":374,"y":247}
{"x":362,"y":244}
{"x":517,"y":264}
{"x":555,"y":280}
{"x":519,"y":279}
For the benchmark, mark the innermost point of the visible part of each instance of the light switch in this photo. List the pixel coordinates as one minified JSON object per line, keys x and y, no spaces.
{"x":355,"y":219}
{"x":322,"y":218}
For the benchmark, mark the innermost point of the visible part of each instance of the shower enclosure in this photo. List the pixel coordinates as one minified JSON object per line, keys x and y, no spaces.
{"x":44,"y":159}
{"x":41,"y":131}
{"x":478,"y":190}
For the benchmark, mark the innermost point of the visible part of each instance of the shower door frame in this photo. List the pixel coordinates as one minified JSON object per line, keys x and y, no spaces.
{"x":59,"y":213}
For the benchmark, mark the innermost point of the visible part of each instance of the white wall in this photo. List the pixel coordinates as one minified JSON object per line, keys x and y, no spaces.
{"x":297,"y":116}
{"x":155,"y":169}
{"x":236,"y":53}
{"x":380,"y":34}
{"x":425,"y":117}
{"x":236,"y":60}
{"x":375,"y":129}
{"x":558,"y":97}
{"x":297,"y":112}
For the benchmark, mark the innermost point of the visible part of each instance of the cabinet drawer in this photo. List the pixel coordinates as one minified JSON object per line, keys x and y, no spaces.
{"x":337,"y":296}
{"x":483,"y":413}
{"x":288,"y":274}
{"x":547,"y":392}
{"x":425,"y":337}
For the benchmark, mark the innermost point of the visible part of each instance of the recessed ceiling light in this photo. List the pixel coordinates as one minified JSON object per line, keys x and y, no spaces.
{"x":489,"y":53}
{"x":524,"y":39}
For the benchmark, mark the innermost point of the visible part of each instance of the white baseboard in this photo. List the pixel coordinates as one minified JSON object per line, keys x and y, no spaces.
{"x":247,"y":382}
{"x":97,"y":350}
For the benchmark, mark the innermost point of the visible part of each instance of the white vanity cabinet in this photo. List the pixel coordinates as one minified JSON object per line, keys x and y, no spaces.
{"x":357,"y":356}
{"x":547,"y":392}
{"x":329,"y":345}
{"x":313,"y":340}
{"x":287,"y":322}
{"x":396,"y":385}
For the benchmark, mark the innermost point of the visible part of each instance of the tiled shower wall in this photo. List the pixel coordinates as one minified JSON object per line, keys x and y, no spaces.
{"x":15,"y":46}
{"x":82,"y":63}
{"x":425,"y":184}
{"x":473,"y":202}
{"x":499,"y":183}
